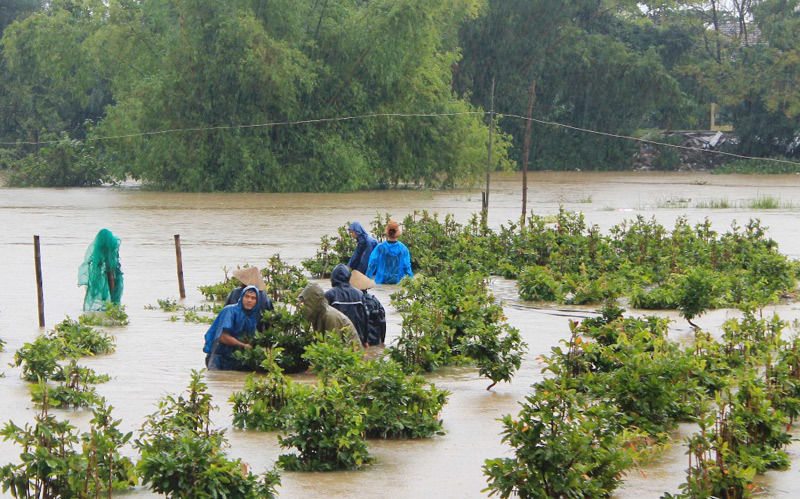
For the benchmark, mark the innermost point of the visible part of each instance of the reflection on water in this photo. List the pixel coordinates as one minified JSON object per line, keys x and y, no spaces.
{"x":155,"y":355}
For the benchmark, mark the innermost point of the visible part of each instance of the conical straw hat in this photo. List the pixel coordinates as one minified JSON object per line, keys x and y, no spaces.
{"x":360,"y":281}
{"x":250,"y":276}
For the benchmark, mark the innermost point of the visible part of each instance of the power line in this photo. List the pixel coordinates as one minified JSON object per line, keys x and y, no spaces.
{"x":648,"y":141}
{"x":257,"y":125}
{"x":406,"y":115}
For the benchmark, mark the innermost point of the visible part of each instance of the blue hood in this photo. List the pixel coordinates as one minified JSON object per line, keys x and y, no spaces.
{"x":359,"y":230}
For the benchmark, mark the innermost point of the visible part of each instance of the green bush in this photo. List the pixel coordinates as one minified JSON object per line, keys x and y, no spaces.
{"x":562,"y":446}
{"x":536,"y":283}
{"x":65,"y":163}
{"x":53,"y":467}
{"x":327,"y":430}
{"x":182,"y":457}
{"x":452,"y":318}
{"x":264,"y":404}
{"x":114,"y":315}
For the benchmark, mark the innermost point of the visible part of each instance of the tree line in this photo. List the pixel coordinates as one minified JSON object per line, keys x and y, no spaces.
{"x":316,"y":95}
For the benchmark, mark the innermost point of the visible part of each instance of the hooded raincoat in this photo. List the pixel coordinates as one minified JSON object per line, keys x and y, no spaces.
{"x":323,"y":317}
{"x":366,"y":243}
{"x":348,"y":300}
{"x":237,"y":322}
{"x":100,"y":272}
{"x":264,"y":304}
{"x":389,"y":263}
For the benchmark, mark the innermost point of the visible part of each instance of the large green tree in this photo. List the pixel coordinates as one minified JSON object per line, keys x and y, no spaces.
{"x":587,"y":72}
{"x":208,"y":66}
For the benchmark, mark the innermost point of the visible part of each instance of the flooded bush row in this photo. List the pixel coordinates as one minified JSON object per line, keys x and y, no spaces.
{"x":630,"y":404}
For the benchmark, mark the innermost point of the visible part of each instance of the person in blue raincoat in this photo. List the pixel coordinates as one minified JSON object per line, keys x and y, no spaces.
{"x":251,"y":276}
{"x":390,"y":260}
{"x":366,"y":243}
{"x":233,"y":323}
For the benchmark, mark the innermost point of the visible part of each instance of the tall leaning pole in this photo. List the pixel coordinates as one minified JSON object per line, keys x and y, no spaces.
{"x":489,"y":161}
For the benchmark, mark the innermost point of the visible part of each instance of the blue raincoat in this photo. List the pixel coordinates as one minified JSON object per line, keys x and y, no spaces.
{"x":389,"y":263}
{"x":237,"y":322}
{"x":264,"y":304}
{"x":366,"y":243}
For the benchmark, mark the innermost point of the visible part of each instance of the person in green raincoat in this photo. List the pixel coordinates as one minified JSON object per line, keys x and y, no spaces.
{"x":323,"y":317}
{"x":101,"y":273}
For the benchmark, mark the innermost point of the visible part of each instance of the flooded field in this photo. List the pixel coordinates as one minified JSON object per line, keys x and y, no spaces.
{"x":154,"y":355}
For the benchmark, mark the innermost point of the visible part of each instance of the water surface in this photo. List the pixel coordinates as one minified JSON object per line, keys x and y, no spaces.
{"x":155,"y":355}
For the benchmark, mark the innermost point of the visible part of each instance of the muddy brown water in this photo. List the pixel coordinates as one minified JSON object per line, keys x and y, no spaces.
{"x":154,"y":355}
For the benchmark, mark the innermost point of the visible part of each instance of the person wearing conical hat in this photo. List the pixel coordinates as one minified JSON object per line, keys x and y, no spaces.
{"x":251,"y":276}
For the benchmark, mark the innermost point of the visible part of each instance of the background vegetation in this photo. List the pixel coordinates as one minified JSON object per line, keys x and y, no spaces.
{"x":75,"y":73}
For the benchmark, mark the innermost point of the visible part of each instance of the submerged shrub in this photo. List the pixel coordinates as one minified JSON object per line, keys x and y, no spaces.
{"x":452,"y":318}
{"x":264,"y":404}
{"x":562,"y":446}
{"x":182,"y":457}
{"x":395,"y":405}
{"x":52,"y":466}
{"x":113,"y":315}
{"x":286,"y":329}
{"x":332,"y":251}
{"x":536,"y":283}
{"x":74,"y":391}
{"x":78,"y":339}
{"x":327,"y":430}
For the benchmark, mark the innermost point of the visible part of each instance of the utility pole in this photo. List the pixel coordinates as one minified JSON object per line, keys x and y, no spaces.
{"x":525,"y":153}
{"x":489,"y":163}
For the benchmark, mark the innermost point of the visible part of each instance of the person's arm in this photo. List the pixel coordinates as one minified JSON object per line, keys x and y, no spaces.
{"x":356,"y":258}
{"x":407,"y":263}
{"x":372,"y":267}
{"x":227,"y":339}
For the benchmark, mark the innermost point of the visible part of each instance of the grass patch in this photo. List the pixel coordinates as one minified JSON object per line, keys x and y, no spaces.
{"x":672,"y":203}
{"x":765,"y":166}
{"x":766,"y":203}
{"x":714,"y":204}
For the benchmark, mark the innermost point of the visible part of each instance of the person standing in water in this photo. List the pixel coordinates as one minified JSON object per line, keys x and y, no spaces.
{"x":390,"y":260}
{"x":226,"y":333}
{"x":251,"y":276}
{"x":364,"y":246}
{"x":101,"y":273}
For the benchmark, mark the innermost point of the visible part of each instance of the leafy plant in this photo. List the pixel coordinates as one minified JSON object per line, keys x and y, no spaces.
{"x":182,"y":457}
{"x":563,"y":447}
{"x":286,"y":329}
{"x":452,"y":317}
{"x":78,"y":339}
{"x":114,"y":315}
{"x":74,"y":391}
{"x":332,"y":251}
{"x":327,"y":430}
{"x":51,"y":466}
{"x":264,"y":404}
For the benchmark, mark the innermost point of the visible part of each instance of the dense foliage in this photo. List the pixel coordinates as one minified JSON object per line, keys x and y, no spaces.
{"x":232,"y":77}
{"x":183,"y":457}
{"x":236,"y":97}
{"x":562,"y":259}
{"x":619,"y":384}
{"x":57,"y":461}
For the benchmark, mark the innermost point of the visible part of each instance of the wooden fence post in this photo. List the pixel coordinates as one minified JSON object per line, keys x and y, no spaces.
{"x":180,"y":265}
{"x":37,"y":257}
